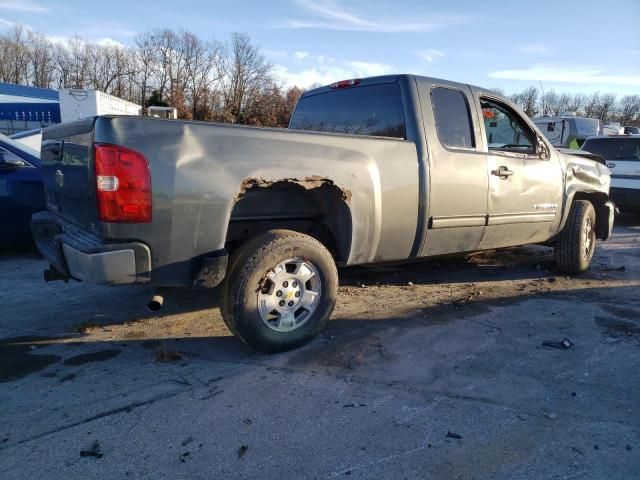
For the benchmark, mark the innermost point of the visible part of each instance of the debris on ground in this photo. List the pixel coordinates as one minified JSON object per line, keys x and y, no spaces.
{"x":242,"y":450}
{"x":84,"y":326}
{"x":564,"y":344}
{"x":183,"y":457}
{"x":577,"y":450}
{"x":607,"y":268}
{"x":354,"y":405}
{"x":93,"y":451}
{"x":551,"y":416}
{"x":187,"y":441}
{"x":453,"y":435}
{"x":164,"y":355}
{"x":67,"y":378}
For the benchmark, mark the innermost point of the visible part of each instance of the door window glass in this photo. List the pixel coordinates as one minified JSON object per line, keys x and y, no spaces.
{"x":504,"y":129}
{"x":453,"y":120}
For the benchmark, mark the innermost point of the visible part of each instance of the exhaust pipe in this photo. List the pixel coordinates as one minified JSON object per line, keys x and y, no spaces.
{"x":157,"y":301}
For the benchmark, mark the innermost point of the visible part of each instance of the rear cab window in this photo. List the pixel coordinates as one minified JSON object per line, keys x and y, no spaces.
{"x":374,"y":110}
{"x":614,"y":148}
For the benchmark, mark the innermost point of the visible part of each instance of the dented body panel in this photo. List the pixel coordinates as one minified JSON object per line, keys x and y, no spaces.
{"x":375,"y":199}
{"x":200,"y":171}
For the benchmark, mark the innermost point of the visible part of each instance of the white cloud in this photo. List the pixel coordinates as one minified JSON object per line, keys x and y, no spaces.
{"x":430,"y":55}
{"x":323,"y":70}
{"x":334,"y":17}
{"x":275,"y":54}
{"x":535,"y":48}
{"x":301,"y":55}
{"x":109,"y":42}
{"x":577,"y":75}
{"x":23,"y":6}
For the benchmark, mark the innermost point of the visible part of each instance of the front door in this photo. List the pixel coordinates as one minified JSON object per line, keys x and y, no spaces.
{"x":525,"y":189}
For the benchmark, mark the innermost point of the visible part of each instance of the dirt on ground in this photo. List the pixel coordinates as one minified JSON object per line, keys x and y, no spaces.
{"x":489,"y":365}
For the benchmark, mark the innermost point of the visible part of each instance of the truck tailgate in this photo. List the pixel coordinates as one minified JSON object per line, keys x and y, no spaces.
{"x":68,"y":172}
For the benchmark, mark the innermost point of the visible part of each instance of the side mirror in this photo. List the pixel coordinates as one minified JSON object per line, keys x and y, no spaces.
{"x":9,"y":161}
{"x":541,"y":148}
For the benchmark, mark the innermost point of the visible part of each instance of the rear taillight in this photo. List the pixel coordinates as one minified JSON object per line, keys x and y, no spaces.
{"x":346,"y":83}
{"x":123,"y":184}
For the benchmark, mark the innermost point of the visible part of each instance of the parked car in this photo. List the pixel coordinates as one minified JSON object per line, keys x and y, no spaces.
{"x":370,"y":170}
{"x":631,"y":130}
{"x":30,"y":138}
{"x":21,"y":191}
{"x":622,"y":154}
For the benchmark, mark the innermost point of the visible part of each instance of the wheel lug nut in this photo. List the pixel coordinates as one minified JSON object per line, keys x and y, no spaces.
{"x":297,"y":294}
{"x":294,"y":284}
{"x":285,"y":284}
{"x":279,"y":293}
{"x":291,"y":303}
{"x":281,"y":303}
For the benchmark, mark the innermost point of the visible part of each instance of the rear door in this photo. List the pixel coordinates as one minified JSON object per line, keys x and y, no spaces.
{"x":67,"y":172}
{"x":457,"y":189}
{"x":525,"y":190}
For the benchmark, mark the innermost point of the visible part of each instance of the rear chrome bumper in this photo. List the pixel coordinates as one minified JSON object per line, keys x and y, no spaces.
{"x":81,"y":255}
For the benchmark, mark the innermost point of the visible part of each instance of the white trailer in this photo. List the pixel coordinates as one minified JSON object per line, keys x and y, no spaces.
{"x":76,"y":104}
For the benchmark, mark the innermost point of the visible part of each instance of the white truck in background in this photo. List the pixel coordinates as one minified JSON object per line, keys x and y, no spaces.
{"x":76,"y":104}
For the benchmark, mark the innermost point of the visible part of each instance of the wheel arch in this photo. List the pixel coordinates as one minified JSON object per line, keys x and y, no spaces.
{"x":314,"y":206}
{"x":599,"y":201}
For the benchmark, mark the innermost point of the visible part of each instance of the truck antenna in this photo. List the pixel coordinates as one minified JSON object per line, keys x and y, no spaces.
{"x":544,"y":112}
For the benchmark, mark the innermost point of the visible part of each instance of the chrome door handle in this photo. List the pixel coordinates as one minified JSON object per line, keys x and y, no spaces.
{"x":502,"y":172}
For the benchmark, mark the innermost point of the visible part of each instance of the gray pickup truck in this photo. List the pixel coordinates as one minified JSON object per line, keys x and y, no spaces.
{"x":370,"y":170}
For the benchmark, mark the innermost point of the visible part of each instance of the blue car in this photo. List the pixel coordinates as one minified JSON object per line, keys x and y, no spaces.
{"x":21,"y":191}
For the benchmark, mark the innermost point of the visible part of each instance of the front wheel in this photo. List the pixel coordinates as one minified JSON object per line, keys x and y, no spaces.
{"x":576,"y":243}
{"x":280,"y":290}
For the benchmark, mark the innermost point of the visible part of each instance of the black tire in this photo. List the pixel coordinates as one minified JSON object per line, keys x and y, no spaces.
{"x":248,"y":268}
{"x":575,"y":246}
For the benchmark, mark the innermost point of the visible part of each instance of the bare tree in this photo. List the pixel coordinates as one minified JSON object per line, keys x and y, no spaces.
{"x":527,"y":100}
{"x":629,"y":109}
{"x":592,"y":104}
{"x":41,"y":68}
{"x":246,"y":75}
{"x":606,"y":107}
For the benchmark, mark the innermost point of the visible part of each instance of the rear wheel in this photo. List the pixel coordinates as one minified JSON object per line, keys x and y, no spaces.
{"x":280,"y":290}
{"x":575,"y":246}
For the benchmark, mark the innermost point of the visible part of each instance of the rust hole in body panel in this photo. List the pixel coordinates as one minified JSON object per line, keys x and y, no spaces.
{"x":308,"y":183}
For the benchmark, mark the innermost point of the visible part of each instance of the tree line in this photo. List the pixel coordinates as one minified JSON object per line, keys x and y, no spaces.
{"x":227,"y":81}
{"x":605,"y":106}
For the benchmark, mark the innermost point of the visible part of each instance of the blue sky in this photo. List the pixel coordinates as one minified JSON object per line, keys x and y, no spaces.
{"x":569,"y":45}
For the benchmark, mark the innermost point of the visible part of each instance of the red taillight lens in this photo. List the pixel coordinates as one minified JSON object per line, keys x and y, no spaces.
{"x":123,"y":184}
{"x":346,"y":83}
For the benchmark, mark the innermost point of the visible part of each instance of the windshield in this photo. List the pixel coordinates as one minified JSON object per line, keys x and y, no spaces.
{"x":614,"y":148}
{"x":17,"y":148}
{"x":365,"y":110}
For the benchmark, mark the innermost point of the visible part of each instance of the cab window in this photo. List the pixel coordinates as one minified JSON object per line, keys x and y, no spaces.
{"x":452,"y":116}
{"x":505,"y":130}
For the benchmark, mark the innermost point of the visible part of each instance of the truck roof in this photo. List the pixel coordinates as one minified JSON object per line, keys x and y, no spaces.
{"x":389,"y":79}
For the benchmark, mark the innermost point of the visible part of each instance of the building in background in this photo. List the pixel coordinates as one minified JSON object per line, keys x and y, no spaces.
{"x":27,"y":108}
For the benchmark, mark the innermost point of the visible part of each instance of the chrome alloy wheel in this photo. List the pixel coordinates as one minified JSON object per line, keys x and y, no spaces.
{"x":588,"y":237}
{"x":289,"y":294}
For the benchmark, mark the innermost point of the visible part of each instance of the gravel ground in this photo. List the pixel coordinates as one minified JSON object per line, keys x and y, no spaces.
{"x":444,"y":369}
